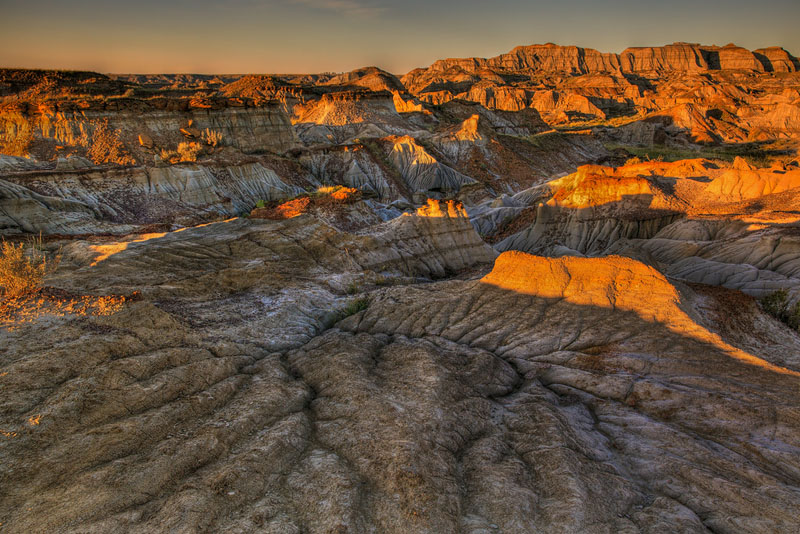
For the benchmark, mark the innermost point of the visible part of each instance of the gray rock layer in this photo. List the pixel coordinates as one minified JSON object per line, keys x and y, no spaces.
{"x":222,"y":401}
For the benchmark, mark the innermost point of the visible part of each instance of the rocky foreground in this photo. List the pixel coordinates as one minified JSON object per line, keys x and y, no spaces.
{"x":367,"y":303}
{"x":243,"y":391}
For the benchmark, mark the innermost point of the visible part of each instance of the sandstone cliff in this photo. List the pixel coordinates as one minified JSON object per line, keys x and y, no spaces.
{"x":571,"y":84}
{"x":680,"y":57}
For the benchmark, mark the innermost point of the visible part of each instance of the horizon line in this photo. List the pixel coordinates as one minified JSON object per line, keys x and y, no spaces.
{"x":322,"y":72}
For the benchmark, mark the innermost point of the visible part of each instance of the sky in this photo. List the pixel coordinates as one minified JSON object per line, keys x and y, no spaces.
{"x":311,"y":36}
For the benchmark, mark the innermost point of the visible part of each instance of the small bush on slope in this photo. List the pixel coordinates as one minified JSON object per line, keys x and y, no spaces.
{"x":211,"y":137}
{"x":351,"y":308}
{"x":188,"y":151}
{"x":777,"y":305}
{"x":107,"y":147}
{"x":22,"y":269}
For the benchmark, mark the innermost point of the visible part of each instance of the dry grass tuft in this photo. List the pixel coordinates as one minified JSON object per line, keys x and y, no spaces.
{"x":212,"y":137}
{"x":107,"y":147}
{"x":778,"y":305}
{"x":186,"y":151}
{"x":23,"y":268}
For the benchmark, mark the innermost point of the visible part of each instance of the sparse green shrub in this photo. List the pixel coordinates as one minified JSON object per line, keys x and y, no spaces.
{"x":758,"y":154}
{"x":353,"y":288}
{"x":551,"y":140}
{"x":351,"y":308}
{"x":382,"y":280}
{"x":793,"y":319}
{"x":777,"y":304}
{"x":23,"y":268}
{"x":260,"y":204}
{"x":354,"y":306}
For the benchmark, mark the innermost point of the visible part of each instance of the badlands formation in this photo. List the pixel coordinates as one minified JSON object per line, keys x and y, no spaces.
{"x":520,"y":294}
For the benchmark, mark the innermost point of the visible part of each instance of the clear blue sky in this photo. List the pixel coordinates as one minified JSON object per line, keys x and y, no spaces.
{"x":245,"y":36}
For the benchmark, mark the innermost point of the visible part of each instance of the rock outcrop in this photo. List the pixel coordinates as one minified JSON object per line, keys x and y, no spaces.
{"x":677,"y":57}
{"x":568,"y":84}
{"x":164,"y":122}
{"x":372,"y":78}
{"x":730,"y":226}
{"x":421,"y":171}
{"x":95,"y":201}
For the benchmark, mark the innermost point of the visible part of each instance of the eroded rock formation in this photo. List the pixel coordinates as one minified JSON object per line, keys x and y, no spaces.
{"x":229,"y":397}
{"x":277,"y":308}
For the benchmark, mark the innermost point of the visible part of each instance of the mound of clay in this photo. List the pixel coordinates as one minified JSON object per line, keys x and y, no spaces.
{"x":743,"y":182}
{"x":372,"y":78}
{"x":595,"y":185}
{"x":421,"y":171}
{"x":612,"y":282}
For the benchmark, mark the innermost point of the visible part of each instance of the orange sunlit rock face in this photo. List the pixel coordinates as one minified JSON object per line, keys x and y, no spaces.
{"x":287,"y":210}
{"x":442,"y":208}
{"x":407,"y":106}
{"x":468,"y":131}
{"x":743,"y":181}
{"x":593,"y":187}
{"x":690,"y":186}
{"x":612,"y":282}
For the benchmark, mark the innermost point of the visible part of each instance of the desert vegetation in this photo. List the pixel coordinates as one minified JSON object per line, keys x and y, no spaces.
{"x":778,"y":305}
{"x":106,"y":146}
{"x":547,"y":140}
{"x":187,"y":151}
{"x":211,"y":137}
{"x":322,"y":198}
{"x":23,"y":267}
{"x":190,"y":151}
